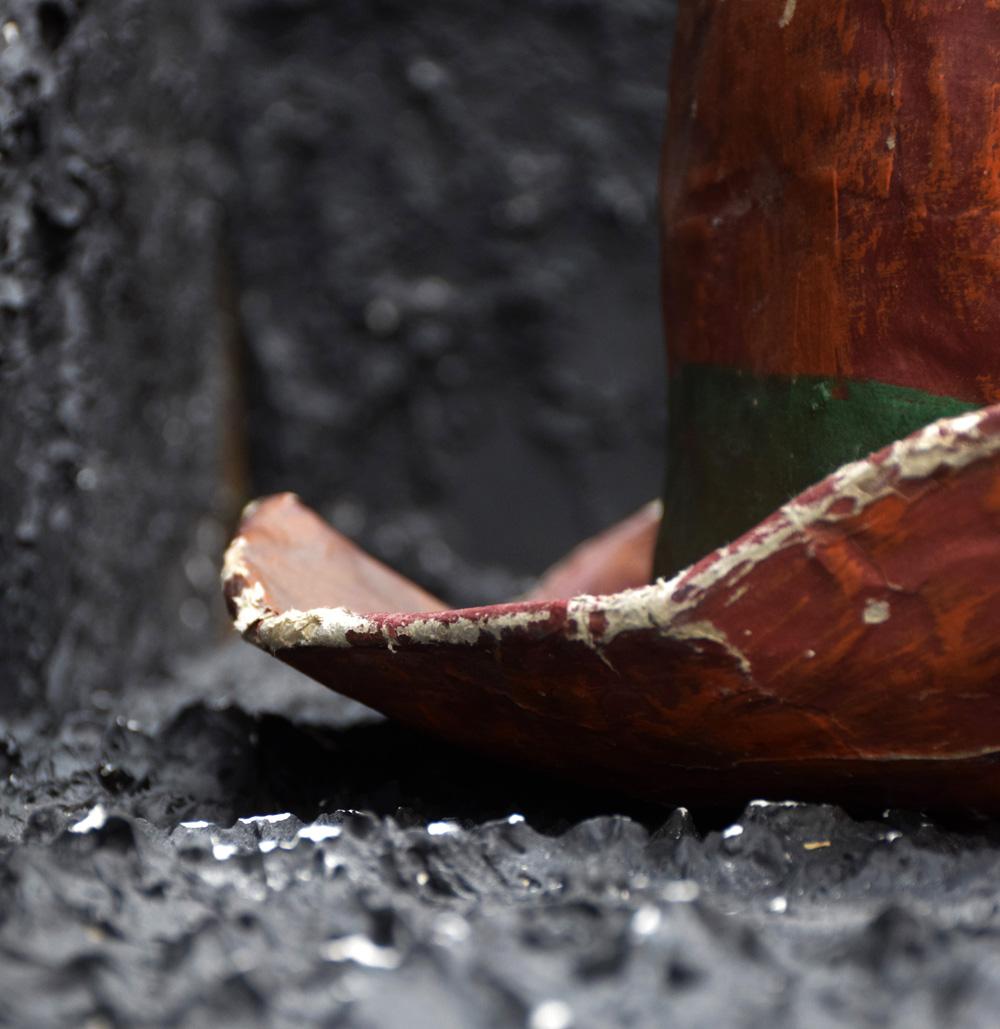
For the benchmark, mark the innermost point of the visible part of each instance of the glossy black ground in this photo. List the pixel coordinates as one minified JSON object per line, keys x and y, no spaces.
{"x":236,"y":845}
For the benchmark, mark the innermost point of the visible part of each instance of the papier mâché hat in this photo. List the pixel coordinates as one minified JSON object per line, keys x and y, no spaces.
{"x":831,"y":224}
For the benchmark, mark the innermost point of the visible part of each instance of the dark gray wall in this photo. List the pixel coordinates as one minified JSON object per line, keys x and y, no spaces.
{"x":444,"y":234}
{"x":110,"y":385}
{"x":400,"y":259}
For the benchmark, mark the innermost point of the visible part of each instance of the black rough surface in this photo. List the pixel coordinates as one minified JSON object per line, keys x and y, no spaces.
{"x":399,"y":259}
{"x":286,"y":859}
{"x":111,"y":427}
{"x":446,"y":212}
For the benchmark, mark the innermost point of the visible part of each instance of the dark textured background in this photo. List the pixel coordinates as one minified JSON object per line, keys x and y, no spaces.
{"x":401,"y":260}
{"x":111,"y":353}
{"x":442,"y":227}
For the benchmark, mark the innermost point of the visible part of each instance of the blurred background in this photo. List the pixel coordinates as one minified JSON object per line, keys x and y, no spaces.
{"x":401,"y":259}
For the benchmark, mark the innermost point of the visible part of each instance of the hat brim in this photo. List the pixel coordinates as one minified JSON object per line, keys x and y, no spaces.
{"x":846,"y":648}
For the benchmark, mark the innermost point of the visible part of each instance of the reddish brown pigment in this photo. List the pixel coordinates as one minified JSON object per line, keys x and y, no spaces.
{"x":831,"y":191}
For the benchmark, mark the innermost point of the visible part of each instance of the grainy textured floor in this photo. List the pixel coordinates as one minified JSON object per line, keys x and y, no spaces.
{"x":236,"y":846}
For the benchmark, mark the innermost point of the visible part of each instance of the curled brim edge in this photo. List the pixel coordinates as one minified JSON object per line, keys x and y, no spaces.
{"x":859,"y":623}
{"x":665,"y":606}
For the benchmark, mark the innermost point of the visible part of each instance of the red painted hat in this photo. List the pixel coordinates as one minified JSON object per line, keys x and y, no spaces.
{"x":831,"y":223}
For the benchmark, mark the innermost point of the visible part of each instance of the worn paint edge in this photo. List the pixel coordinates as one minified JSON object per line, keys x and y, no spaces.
{"x":756,"y":441}
{"x":664,"y":607}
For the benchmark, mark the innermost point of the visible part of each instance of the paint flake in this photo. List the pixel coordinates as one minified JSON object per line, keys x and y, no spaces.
{"x":876,"y":612}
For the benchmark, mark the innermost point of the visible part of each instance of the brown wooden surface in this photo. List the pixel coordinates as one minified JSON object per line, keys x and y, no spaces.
{"x":831,"y":190}
{"x":304,"y":563}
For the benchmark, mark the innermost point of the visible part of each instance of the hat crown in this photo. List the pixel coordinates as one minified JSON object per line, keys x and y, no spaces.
{"x":830,"y":198}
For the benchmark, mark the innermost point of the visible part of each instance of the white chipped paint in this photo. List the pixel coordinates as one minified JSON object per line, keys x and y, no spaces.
{"x":466,"y":630}
{"x":224,"y":851}
{"x":250,"y":602}
{"x":705,"y":631}
{"x":787,"y":14}
{"x":319,"y":627}
{"x":250,"y":607}
{"x":949,"y":443}
{"x":95,"y":818}
{"x":234,"y":559}
{"x":333,"y":627}
{"x":199,"y":824}
{"x":643,"y":609}
{"x":876,"y":612}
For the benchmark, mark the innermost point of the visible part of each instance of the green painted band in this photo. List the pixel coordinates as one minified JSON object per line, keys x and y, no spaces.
{"x":741,"y":445}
